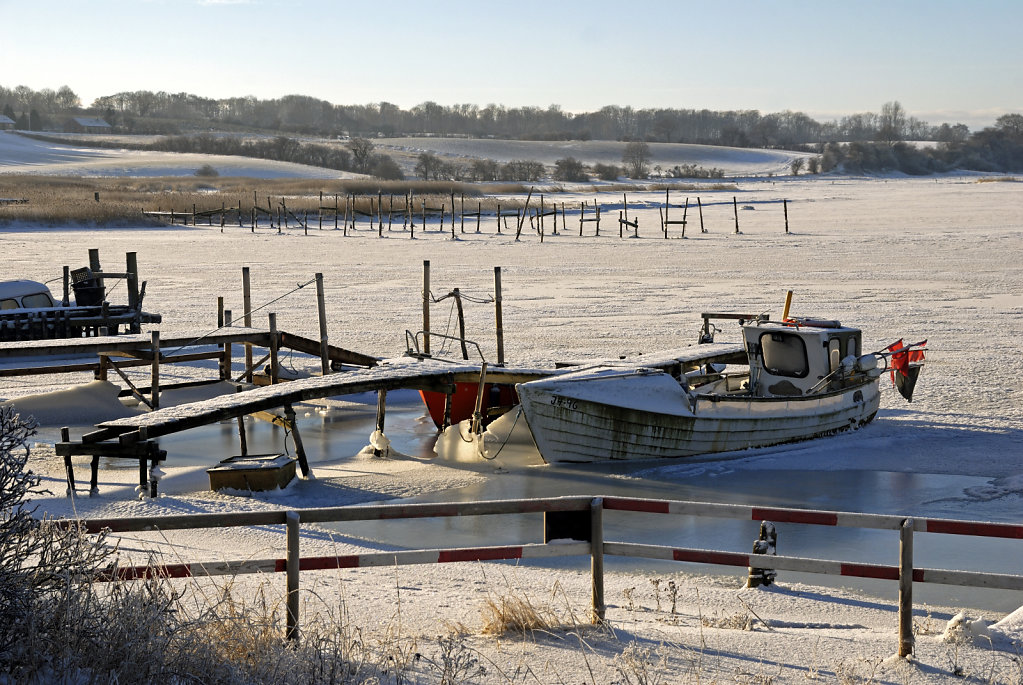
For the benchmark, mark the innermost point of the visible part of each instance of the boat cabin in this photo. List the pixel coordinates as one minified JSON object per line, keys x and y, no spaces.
{"x":25,"y":295}
{"x":794,"y":357}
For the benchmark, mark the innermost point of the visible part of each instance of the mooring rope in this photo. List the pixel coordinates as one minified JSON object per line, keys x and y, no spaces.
{"x":242,"y":317}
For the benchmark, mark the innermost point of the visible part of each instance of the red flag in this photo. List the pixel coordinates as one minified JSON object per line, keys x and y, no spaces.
{"x":906,"y":361}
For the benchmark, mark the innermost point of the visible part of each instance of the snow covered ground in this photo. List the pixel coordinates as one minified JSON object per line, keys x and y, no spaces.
{"x":936,"y":258}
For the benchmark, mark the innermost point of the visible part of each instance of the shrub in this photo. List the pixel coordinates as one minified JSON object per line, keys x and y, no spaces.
{"x":207,"y":171}
{"x":570,"y":169}
{"x":607,"y":172}
{"x":384,"y":166}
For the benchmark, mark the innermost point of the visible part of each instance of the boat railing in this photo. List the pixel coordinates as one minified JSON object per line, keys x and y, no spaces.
{"x":413,"y":348}
{"x":572,"y":526}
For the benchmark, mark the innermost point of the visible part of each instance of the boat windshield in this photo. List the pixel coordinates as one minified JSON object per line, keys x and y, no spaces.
{"x":784,"y":354}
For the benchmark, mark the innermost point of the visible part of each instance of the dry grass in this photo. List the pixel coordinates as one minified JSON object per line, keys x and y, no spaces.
{"x":58,"y":200}
{"x":998,"y":179}
{"x":510,"y":614}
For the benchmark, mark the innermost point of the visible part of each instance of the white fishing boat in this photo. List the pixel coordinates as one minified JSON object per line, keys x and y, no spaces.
{"x":804,"y":378}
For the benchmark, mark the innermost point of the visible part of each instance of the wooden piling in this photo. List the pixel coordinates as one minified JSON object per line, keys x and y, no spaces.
{"x":155,"y":385}
{"x":243,"y":441}
{"x":247,"y":319}
{"x":498,"y":316}
{"x":275,"y":367}
{"x":303,"y":463}
{"x":735,"y":209}
{"x":220,"y":324}
{"x":321,"y":310}
{"x":700,"y":206}
{"x":69,"y":469}
{"x":381,"y":415}
{"x":426,"y":306}
{"x":785,"y":207}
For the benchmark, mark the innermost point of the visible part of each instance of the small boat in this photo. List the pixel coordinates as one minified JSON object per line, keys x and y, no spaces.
{"x":804,"y":378}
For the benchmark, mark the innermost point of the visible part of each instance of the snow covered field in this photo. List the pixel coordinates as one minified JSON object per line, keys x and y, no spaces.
{"x":935,"y":258}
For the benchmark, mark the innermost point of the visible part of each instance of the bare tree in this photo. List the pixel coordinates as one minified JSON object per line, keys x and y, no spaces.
{"x":361,"y":150}
{"x":892,"y":122}
{"x":636,"y":157}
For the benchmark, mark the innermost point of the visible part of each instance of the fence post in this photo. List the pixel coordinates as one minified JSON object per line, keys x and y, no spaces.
{"x":597,"y":558}
{"x":292,"y":521}
{"x":906,"y":588}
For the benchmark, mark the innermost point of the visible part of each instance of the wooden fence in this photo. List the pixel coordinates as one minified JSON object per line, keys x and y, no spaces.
{"x":344,"y":211}
{"x":579,"y":518}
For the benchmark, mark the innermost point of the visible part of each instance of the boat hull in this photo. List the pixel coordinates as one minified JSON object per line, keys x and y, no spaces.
{"x":617,"y":419}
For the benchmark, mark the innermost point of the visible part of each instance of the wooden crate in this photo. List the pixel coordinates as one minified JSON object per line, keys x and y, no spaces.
{"x":254,"y":472}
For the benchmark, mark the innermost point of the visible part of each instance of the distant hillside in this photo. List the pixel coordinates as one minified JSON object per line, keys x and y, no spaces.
{"x":732,"y":161}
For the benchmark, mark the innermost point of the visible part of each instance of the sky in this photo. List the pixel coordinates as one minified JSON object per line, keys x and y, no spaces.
{"x":944,"y":61}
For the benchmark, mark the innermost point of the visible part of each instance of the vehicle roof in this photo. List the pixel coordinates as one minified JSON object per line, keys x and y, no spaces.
{"x":22,"y":288}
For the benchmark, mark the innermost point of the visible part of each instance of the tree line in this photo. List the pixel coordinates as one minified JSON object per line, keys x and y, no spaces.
{"x":170,"y":113}
{"x":869,"y":141}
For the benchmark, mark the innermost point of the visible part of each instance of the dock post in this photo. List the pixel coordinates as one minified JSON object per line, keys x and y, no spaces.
{"x":65,"y":436}
{"x":292,"y":521}
{"x":220,"y":324}
{"x":66,"y":299}
{"x":274,"y":363}
{"x":321,"y":309}
{"x":132,"y":269}
{"x":94,"y":265}
{"x":289,"y":417}
{"x":228,"y":353}
{"x":243,"y":442}
{"x":785,"y":207}
{"x":597,"y":559}
{"x":906,"y":588}
{"x":155,"y":384}
{"x":498,"y":316}
{"x":94,"y":476}
{"x":426,"y":307}
{"x":381,"y":415}
{"x":247,"y":318}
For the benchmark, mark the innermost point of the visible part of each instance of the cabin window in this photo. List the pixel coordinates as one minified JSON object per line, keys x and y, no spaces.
{"x":36,"y":300}
{"x":784,"y":355}
{"x":9,"y":303}
{"x":834,"y":354}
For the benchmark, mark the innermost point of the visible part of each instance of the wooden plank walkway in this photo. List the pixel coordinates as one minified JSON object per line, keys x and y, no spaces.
{"x":129,"y":342}
{"x":426,"y":374}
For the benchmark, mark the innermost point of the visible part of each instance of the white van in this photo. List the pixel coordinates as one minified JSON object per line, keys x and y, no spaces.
{"x":25,"y":295}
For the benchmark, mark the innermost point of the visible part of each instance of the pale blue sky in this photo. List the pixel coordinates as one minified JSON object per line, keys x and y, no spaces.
{"x":943,"y":60}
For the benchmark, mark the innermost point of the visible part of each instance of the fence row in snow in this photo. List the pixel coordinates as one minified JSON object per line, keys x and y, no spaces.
{"x":344,"y":215}
{"x":575,"y":526}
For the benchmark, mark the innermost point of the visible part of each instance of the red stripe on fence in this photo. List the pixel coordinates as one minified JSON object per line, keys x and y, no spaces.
{"x":867,"y":571}
{"x":990,"y":530}
{"x":649,"y":506}
{"x":322,"y":563}
{"x":485,"y":554}
{"x":821,"y":518}
{"x":918,"y":575}
{"x":701,"y":556}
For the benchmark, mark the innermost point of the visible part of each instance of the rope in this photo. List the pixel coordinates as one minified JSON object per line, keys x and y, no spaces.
{"x":506,"y":440}
{"x":242,"y":317}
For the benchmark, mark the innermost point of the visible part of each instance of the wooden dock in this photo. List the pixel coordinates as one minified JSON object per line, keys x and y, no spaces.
{"x":134,"y":437}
